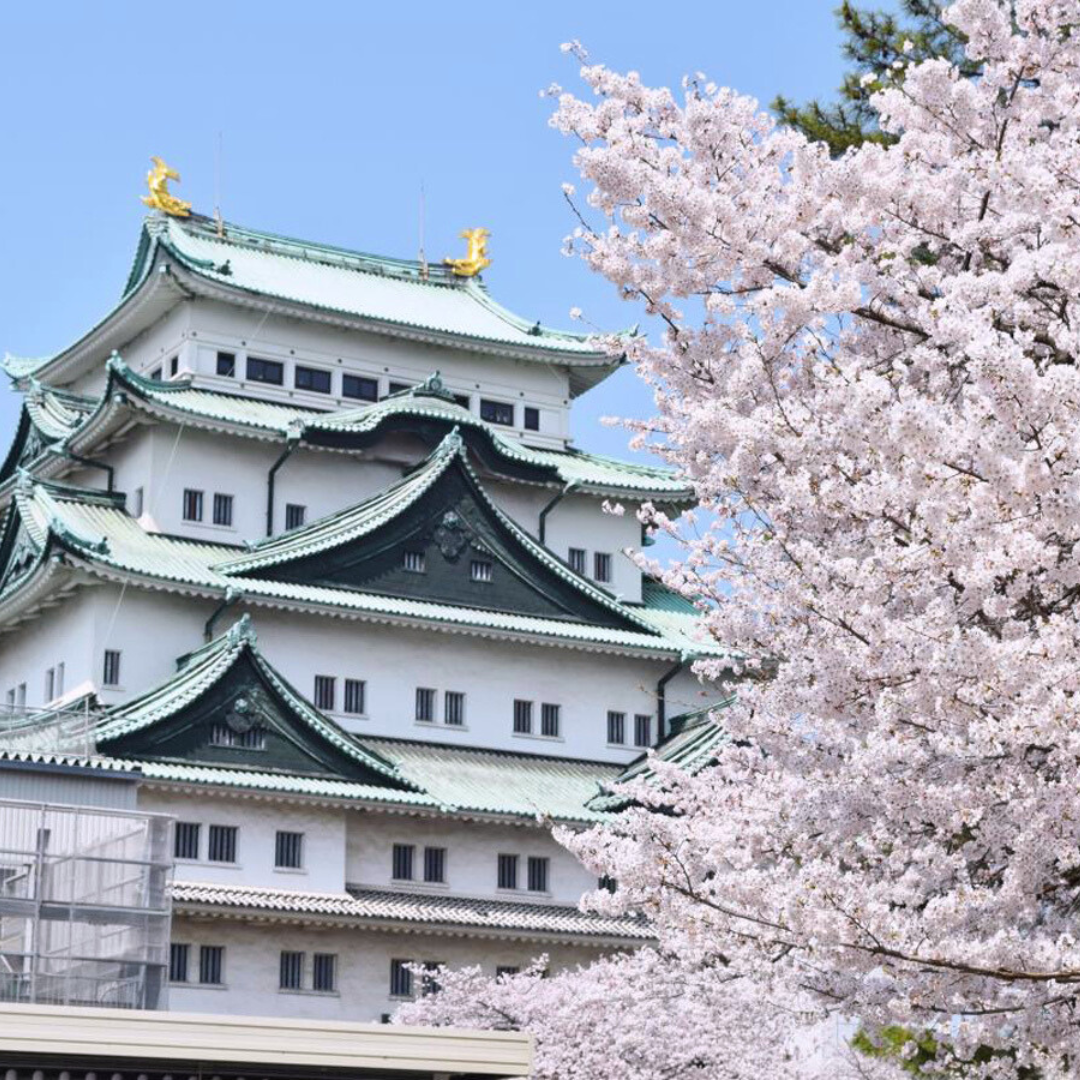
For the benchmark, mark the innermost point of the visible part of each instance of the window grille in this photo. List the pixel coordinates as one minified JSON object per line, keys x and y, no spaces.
{"x":400,"y":979}
{"x":211,"y":964}
{"x":186,"y":840}
{"x":454,"y":708}
{"x":265,"y":371}
{"x":314,"y":379}
{"x":425,"y":704}
{"x":295,"y":515}
{"x":324,"y":692}
{"x":222,"y":509}
{"x":523,"y":717}
{"x":616,"y":728}
{"x":252,"y":739}
{"x":538,"y":873}
{"x":291,"y":970}
{"x":576,"y":558}
{"x":415,"y":562}
{"x":355,"y":693}
{"x":221,"y":845}
{"x":110,"y":675}
{"x":435,"y":865}
{"x":289,"y":850}
{"x":549,"y":720}
{"x":178,"y":962}
{"x":403,"y":862}
{"x":480,"y":570}
{"x":508,"y":867}
{"x":193,"y":504}
{"x":324,"y":973}
{"x":356,"y":386}
{"x":428,"y":983}
{"x":602,"y":566}
{"x":642,"y":730}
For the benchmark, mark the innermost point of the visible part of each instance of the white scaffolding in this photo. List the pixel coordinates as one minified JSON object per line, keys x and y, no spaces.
{"x":84,"y":906}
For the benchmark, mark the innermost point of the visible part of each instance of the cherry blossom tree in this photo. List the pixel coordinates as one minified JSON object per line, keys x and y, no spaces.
{"x":869,"y":372}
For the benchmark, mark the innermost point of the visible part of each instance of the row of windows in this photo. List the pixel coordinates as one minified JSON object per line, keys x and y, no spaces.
{"x":15,"y":698}
{"x":353,"y":700}
{"x":482,"y":570}
{"x":453,"y":707}
{"x":361,"y":388}
{"x":578,"y":558}
{"x":549,"y":719}
{"x":537,"y":874}
{"x":222,"y":845}
{"x":616,"y":729}
{"x":192,"y":509}
{"x":403,"y":864}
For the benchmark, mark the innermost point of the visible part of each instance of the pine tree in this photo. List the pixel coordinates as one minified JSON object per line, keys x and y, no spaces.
{"x":874,"y":42}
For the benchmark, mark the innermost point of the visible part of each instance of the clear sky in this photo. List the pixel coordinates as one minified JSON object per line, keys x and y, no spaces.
{"x":331,"y":115}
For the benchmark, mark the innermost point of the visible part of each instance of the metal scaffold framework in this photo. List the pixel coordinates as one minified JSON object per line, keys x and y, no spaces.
{"x":84,"y":906}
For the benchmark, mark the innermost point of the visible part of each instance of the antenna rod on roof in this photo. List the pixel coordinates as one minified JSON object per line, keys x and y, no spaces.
{"x":217,"y":186}
{"x":423,"y":257}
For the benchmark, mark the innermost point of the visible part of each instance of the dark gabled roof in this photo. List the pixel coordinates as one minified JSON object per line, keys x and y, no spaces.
{"x":47,"y":417}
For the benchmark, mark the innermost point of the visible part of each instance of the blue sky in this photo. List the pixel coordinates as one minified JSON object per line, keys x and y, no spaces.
{"x":331,"y":115}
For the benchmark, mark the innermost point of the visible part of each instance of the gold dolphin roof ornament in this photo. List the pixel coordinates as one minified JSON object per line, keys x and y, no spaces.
{"x":160,"y":198}
{"x":476,"y":256}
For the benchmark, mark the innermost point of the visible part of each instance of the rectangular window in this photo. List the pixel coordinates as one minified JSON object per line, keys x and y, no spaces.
{"x":50,"y":684}
{"x":532,"y":418}
{"x":289,"y":850}
{"x":174,"y":365}
{"x":538,"y":873}
{"x":226,"y":364}
{"x":324,"y":973}
{"x":616,"y":728}
{"x":425,"y":704}
{"x":642,"y":730}
{"x":497,"y":412}
{"x":295,"y":515}
{"x":222,"y":843}
{"x":252,"y":739}
{"x":222,"y":509}
{"x":178,"y":962}
{"x":265,"y":371}
{"x":193,"y":501}
{"x":508,"y":866}
{"x":428,"y":983}
{"x":324,"y":692}
{"x":110,"y":674}
{"x":60,"y":679}
{"x":314,"y":379}
{"x":291,"y":971}
{"x":454,"y":708}
{"x":480,"y":570}
{"x":400,"y":979}
{"x":549,"y":720}
{"x":576,"y":558}
{"x":602,"y":566}
{"x":414,"y":562}
{"x":356,"y":386}
{"x":523,"y":717}
{"x":211,"y":964}
{"x":186,"y":840}
{"x":402,"y":869}
{"x":607,"y":883}
{"x":355,"y":693}
{"x":435,"y":865}
{"x":504,"y":971}
{"x":136,"y":506}
{"x":397,"y":387}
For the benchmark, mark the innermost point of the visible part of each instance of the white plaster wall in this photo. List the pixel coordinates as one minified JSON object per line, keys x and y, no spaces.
{"x":257,"y":824}
{"x":252,"y":959}
{"x":472,"y":851}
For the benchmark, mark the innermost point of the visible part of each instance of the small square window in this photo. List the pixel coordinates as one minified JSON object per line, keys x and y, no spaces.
{"x":508,"y":872}
{"x":402,"y":862}
{"x":356,"y":386}
{"x":642,"y":731}
{"x":425,"y":704}
{"x":295,"y":515}
{"x":400,"y":979}
{"x":549,"y":720}
{"x":538,"y":874}
{"x":523,"y":717}
{"x":576,"y":558}
{"x":179,"y":955}
{"x":435,"y":865}
{"x":226,"y":364}
{"x":480,"y":570}
{"x":110,"y":674}
{"x":186,"y":840}
{"x":289,"y":850}
{"x":193,"y":504}
{"x":414,"y":562}
{"x":454,"y":708}
{"x":314,"y":379}
{"x":602,"y":566}
{"x":222,"y":509}
{"x":211,"y":964}
{"x":325,"y":685}
{"x":616,"y":728}
{"x":291,"y":971}
{"x":532,"y":418}
{"x":355,"y":693}
{"x":222,"y":843}
{"x":497,"y":412}
{"x":265,"y":371}
{"x":324,"y":973}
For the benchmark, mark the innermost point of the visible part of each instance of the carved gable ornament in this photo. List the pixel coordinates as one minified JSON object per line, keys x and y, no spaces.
{"x":451,"y":536}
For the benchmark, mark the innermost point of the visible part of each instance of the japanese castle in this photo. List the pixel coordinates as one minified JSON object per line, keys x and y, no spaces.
{"x":295,"y":540}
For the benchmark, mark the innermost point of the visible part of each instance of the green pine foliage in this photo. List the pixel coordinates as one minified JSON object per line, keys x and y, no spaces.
{"x":874,"y":42}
